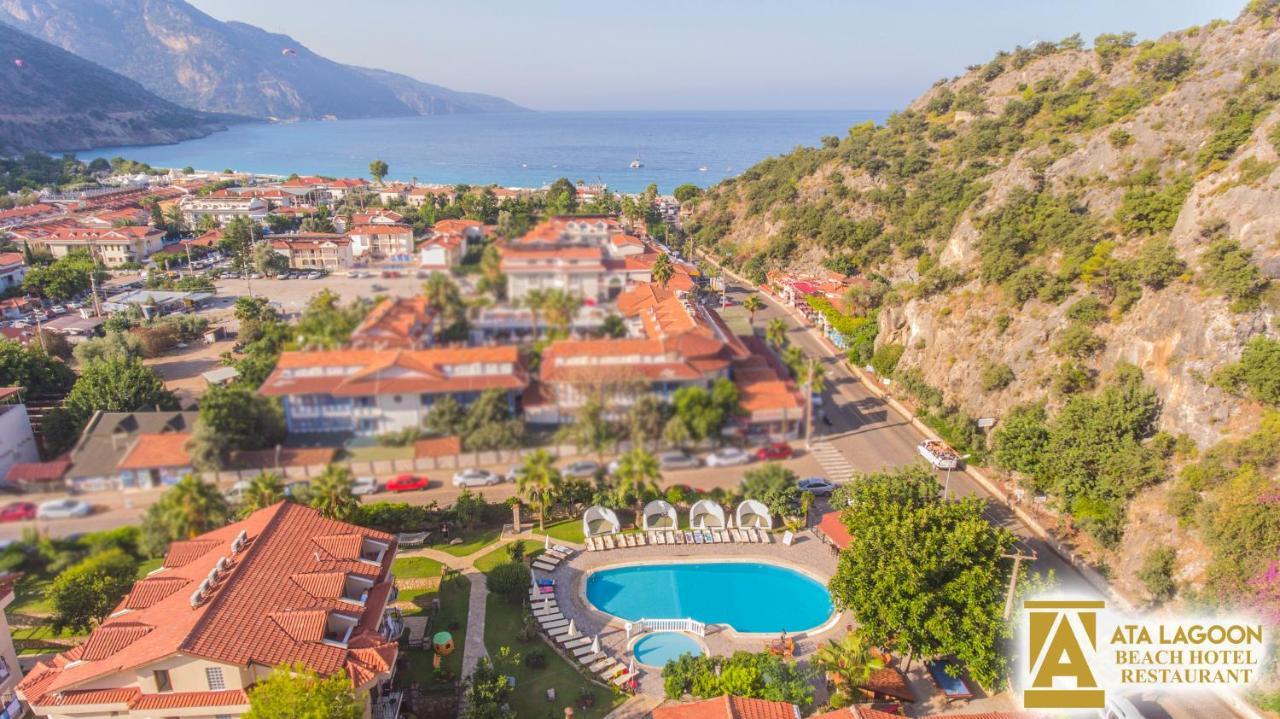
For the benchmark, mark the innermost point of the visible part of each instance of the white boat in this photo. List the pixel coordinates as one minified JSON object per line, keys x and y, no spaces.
{"x":702,"y":169}
{"x":636,"y":164}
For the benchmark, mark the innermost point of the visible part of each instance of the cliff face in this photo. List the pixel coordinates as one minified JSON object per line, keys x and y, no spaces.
{"x":190,"y":58}
{"x":1118,"y":174}
{"x":53,"y":100}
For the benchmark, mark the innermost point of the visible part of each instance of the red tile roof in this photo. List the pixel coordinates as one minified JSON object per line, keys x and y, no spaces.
{"x":858,"y":712}
{"x":835,"y":530}
{"x":729,"y":707}
{"x":31,"y":472}
{"x":11,"y":258}
{"x":150,"y":451}
{"x":251,"y":613}
{"x":374,"y":372}
{"x":191,"y":700}
{"x":437,"y":447}
{"x":396,"y":323}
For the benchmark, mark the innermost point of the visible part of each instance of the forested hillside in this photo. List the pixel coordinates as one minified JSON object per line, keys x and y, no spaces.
{"x":1080,"y":239}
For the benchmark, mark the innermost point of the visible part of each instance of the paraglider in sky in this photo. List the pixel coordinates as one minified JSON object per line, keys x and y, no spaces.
{"x":288,"y":51}
{"x":19,"y":62}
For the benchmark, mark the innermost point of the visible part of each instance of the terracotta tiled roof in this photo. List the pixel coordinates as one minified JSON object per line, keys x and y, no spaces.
{"x":191,"y":700}
{"x":891,"y":682}
{"x":32,"y":472}
{"x":396,"y":323}
{"x":151,"y":590}
{"x":157,"y":450}
{"x":858,"y":712}
{"x":363,"y":372}
{"x":455,"y":227}
{"x":835,"y":530}
{"x":251,"y":614}
{"x":11,"y":258}
{"x":321,"y":584}
{"x":729,"y":707}
{"x":437,"y":447}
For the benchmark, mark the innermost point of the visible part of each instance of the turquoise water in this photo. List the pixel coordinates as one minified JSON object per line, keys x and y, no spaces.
{"x":656,"y":650}
{"x":750,"y":597}
{"x":528,"y":149}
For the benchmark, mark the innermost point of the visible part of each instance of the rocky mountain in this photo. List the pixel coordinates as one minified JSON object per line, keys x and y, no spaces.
{"x":1026,"y":234}
{"x":190,"y":58}
{"x":53,"y":100}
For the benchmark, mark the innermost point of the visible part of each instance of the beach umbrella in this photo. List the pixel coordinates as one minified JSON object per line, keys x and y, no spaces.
{"x":573,"y":630}
{"x":546,"y":602}
{"x":546,"y":544}
{"x":595,"y":645}
{"x":19,"y":62}
{"x":631,"y":666}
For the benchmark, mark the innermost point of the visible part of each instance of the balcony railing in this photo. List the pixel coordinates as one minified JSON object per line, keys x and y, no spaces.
{"x":388,"y":706}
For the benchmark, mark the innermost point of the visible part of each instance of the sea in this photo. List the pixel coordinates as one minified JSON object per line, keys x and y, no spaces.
{"x":527,"y":149}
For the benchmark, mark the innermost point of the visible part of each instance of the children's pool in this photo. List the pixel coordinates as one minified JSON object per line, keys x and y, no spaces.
{"x":655,"y":650}
{"x":748,"y":596}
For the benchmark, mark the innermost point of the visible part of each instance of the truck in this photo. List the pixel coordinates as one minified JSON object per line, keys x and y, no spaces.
{"x":939,"y":454}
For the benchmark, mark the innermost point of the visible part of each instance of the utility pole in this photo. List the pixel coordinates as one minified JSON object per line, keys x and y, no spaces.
{"x":946,"y":488}
{"x":1013,"y":579}
{"x":93,"y":278}
{"x":808,"y":404}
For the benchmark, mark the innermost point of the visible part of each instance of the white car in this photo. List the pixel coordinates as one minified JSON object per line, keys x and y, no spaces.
{"x":728,"y":457}
{"x":476,"y":478}
{"x":582,"y":469}
{"x":63,"y":509}
{"x":236,"y":492}
{"x":365,"y":485}
{"x":817,"y":486}
{"x":677,"y":460}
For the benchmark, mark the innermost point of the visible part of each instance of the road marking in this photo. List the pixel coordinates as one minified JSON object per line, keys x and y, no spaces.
{"x":833,"y":462}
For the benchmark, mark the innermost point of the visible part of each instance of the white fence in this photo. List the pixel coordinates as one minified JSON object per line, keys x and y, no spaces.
{"x":670,"y":625}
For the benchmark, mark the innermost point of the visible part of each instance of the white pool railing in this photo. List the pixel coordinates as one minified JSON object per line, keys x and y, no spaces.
{"x":667,"y":625}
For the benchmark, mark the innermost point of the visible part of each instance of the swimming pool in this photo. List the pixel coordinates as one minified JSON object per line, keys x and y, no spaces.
{"x":748,"y":596}
{"x":655,"y":650}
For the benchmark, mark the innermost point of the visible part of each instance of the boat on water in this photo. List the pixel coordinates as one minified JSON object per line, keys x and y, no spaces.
{"x":702,"y":168}
{"x":636,"y":164}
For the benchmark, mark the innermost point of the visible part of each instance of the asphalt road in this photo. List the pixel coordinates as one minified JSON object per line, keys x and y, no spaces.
{"x":872,"y":436}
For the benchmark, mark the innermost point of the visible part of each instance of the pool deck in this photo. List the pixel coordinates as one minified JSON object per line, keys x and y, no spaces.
{"x":806,"y":554}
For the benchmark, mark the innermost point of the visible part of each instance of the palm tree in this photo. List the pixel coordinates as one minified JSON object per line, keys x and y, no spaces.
{"x":535,"y":300}
{"x":538,"y":482}
{"x":331,"y":493}
{"x":445,"y":299}
{"x":849,"y":662}
{"x":638,"y":476}
{"x":662,"y":270}
{"x":560,"y":308}
{"x":752,"y":305}
{"x":776,"y":332}
{"x":264,"y":490}
{"x":192,"y":507}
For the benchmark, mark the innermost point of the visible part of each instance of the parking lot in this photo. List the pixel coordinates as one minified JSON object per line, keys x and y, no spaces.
{"x":291,"y":295}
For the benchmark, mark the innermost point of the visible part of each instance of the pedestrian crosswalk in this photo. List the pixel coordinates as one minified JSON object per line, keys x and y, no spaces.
{"x":833,"y":462}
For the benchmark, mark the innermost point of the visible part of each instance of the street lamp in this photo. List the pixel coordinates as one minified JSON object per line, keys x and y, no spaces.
{"x":946,"y":488}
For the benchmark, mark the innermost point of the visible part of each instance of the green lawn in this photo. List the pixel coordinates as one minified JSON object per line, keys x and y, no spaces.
{"x":39,"y":635}
{"x":566,"y":530}
{"x":502,"y":625}
{"x":473,"y":540}
{"x":532,"y":547}
{"x":415,"y":567}
{"x":377,"y":453}
{"x":149,"y":566}
{"x":454,"y":595}
{"x":29,"y":595}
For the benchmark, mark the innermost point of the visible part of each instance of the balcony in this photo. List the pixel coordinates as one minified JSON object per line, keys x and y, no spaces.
{"x":392,"y":625}
{"x":387,"y":706}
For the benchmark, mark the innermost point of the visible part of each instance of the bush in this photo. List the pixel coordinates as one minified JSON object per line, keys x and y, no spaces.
{"x":1089,"y":310}
{"x":1078,"y":341}
{"x":1072,"y":377}
{"x":1148,"y":209}
{"x":88,"y":591}
{"x":1163,"y":61}
{"x":1229,"y":270}
{"x":885,"y":359}
{"x":1158,"y":264}
{"x":397,"y":517}
{"x":1156,"y":573}
{"x":996,"y":377}
{"x":535,"y":659}
{"x":509,"y":581}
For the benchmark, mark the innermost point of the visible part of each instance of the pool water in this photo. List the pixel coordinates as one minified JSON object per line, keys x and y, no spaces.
{"x":747,"y":596}
{"x":655,"y":650}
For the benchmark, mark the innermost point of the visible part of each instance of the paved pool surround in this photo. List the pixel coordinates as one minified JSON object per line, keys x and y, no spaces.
{"x":807,"y":555}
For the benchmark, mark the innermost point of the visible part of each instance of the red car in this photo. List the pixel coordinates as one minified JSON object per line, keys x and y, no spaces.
{"x":777,"y":450}
{"x":17,"y":511}
{"x":407,"y":483}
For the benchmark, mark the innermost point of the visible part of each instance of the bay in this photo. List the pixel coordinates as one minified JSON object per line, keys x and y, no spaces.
{"x":513,"y":149}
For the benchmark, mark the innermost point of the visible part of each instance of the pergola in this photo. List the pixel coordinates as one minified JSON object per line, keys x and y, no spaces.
{"x":659,"y":514}
{"x":753,"y":513}
{"x":706,"y":514}
{"x":599,"y":520}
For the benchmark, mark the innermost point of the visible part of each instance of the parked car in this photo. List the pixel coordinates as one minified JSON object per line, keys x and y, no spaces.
{"x":677,"y":460}
{"x":17,"y":511}
{"x":515,"y":472}
{"x":582,"y":469}
{"x":819,"y":486}
{"x":365,"y":485}
{"x":236,"y":491}
{"x":475,"y":477}
{"x":776,"y":450}
{"x":728,"y":457}
{"x":407,"y":483}
{"x":63,"y":509}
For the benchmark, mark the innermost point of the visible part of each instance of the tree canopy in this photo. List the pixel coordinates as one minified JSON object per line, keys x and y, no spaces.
{"x":295,"y":692}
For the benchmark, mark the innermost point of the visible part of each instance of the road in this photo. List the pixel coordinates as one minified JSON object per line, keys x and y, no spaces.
{"x":872,"y":436}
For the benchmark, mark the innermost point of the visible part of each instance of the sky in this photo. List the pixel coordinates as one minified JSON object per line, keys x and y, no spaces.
{"x":698,"y":54}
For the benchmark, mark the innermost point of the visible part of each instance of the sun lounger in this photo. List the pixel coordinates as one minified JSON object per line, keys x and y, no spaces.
{"x":631,"y":540}
{"x":555,"y":625}
{"x":591,"y":544}
{"x":566,"y":551}
{"x":688,"y":537}
{"x":544,"y":566}
{"x":553,"y":554}
{"x":571,"y":643}
{"x":587,"y":657}
{"x":583,"y":651}
{"x":559,"y":632}
{"x":550,"y":617}
{"x":620,"y":679}
{"x":539,"y":611}
{"x":765,"y":536}
{"x":671,"y":537}
{"x":610,"y":543}
{"x":602,"y":663}
{"x":949,"y":677}
{"x":697,"y":537}
{"x":641,"y":540}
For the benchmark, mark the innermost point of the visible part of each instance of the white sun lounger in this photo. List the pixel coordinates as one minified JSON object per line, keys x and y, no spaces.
{"x":602,"y":663}
{"x":591,"y":544}
{"x":544,"y":566}
{"x":559,"y":632}
{"x":582,"y":651}
{"x":620,"y":679}
{"x":641,"y":540}
{"x":765,"y":538}
{"x":751,"y":535}
{"x":550,"y":617}
{"x":659,"y":538}
{"x":570,"y":643}
{"x":562,"y":622}
{"x":541,"y":612}
{"x":671,"y":537}
{"x":566,"y":551}
{"x":631,"y":540}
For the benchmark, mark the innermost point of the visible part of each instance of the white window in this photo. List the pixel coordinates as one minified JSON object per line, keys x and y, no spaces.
{"x":214,"y":675}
